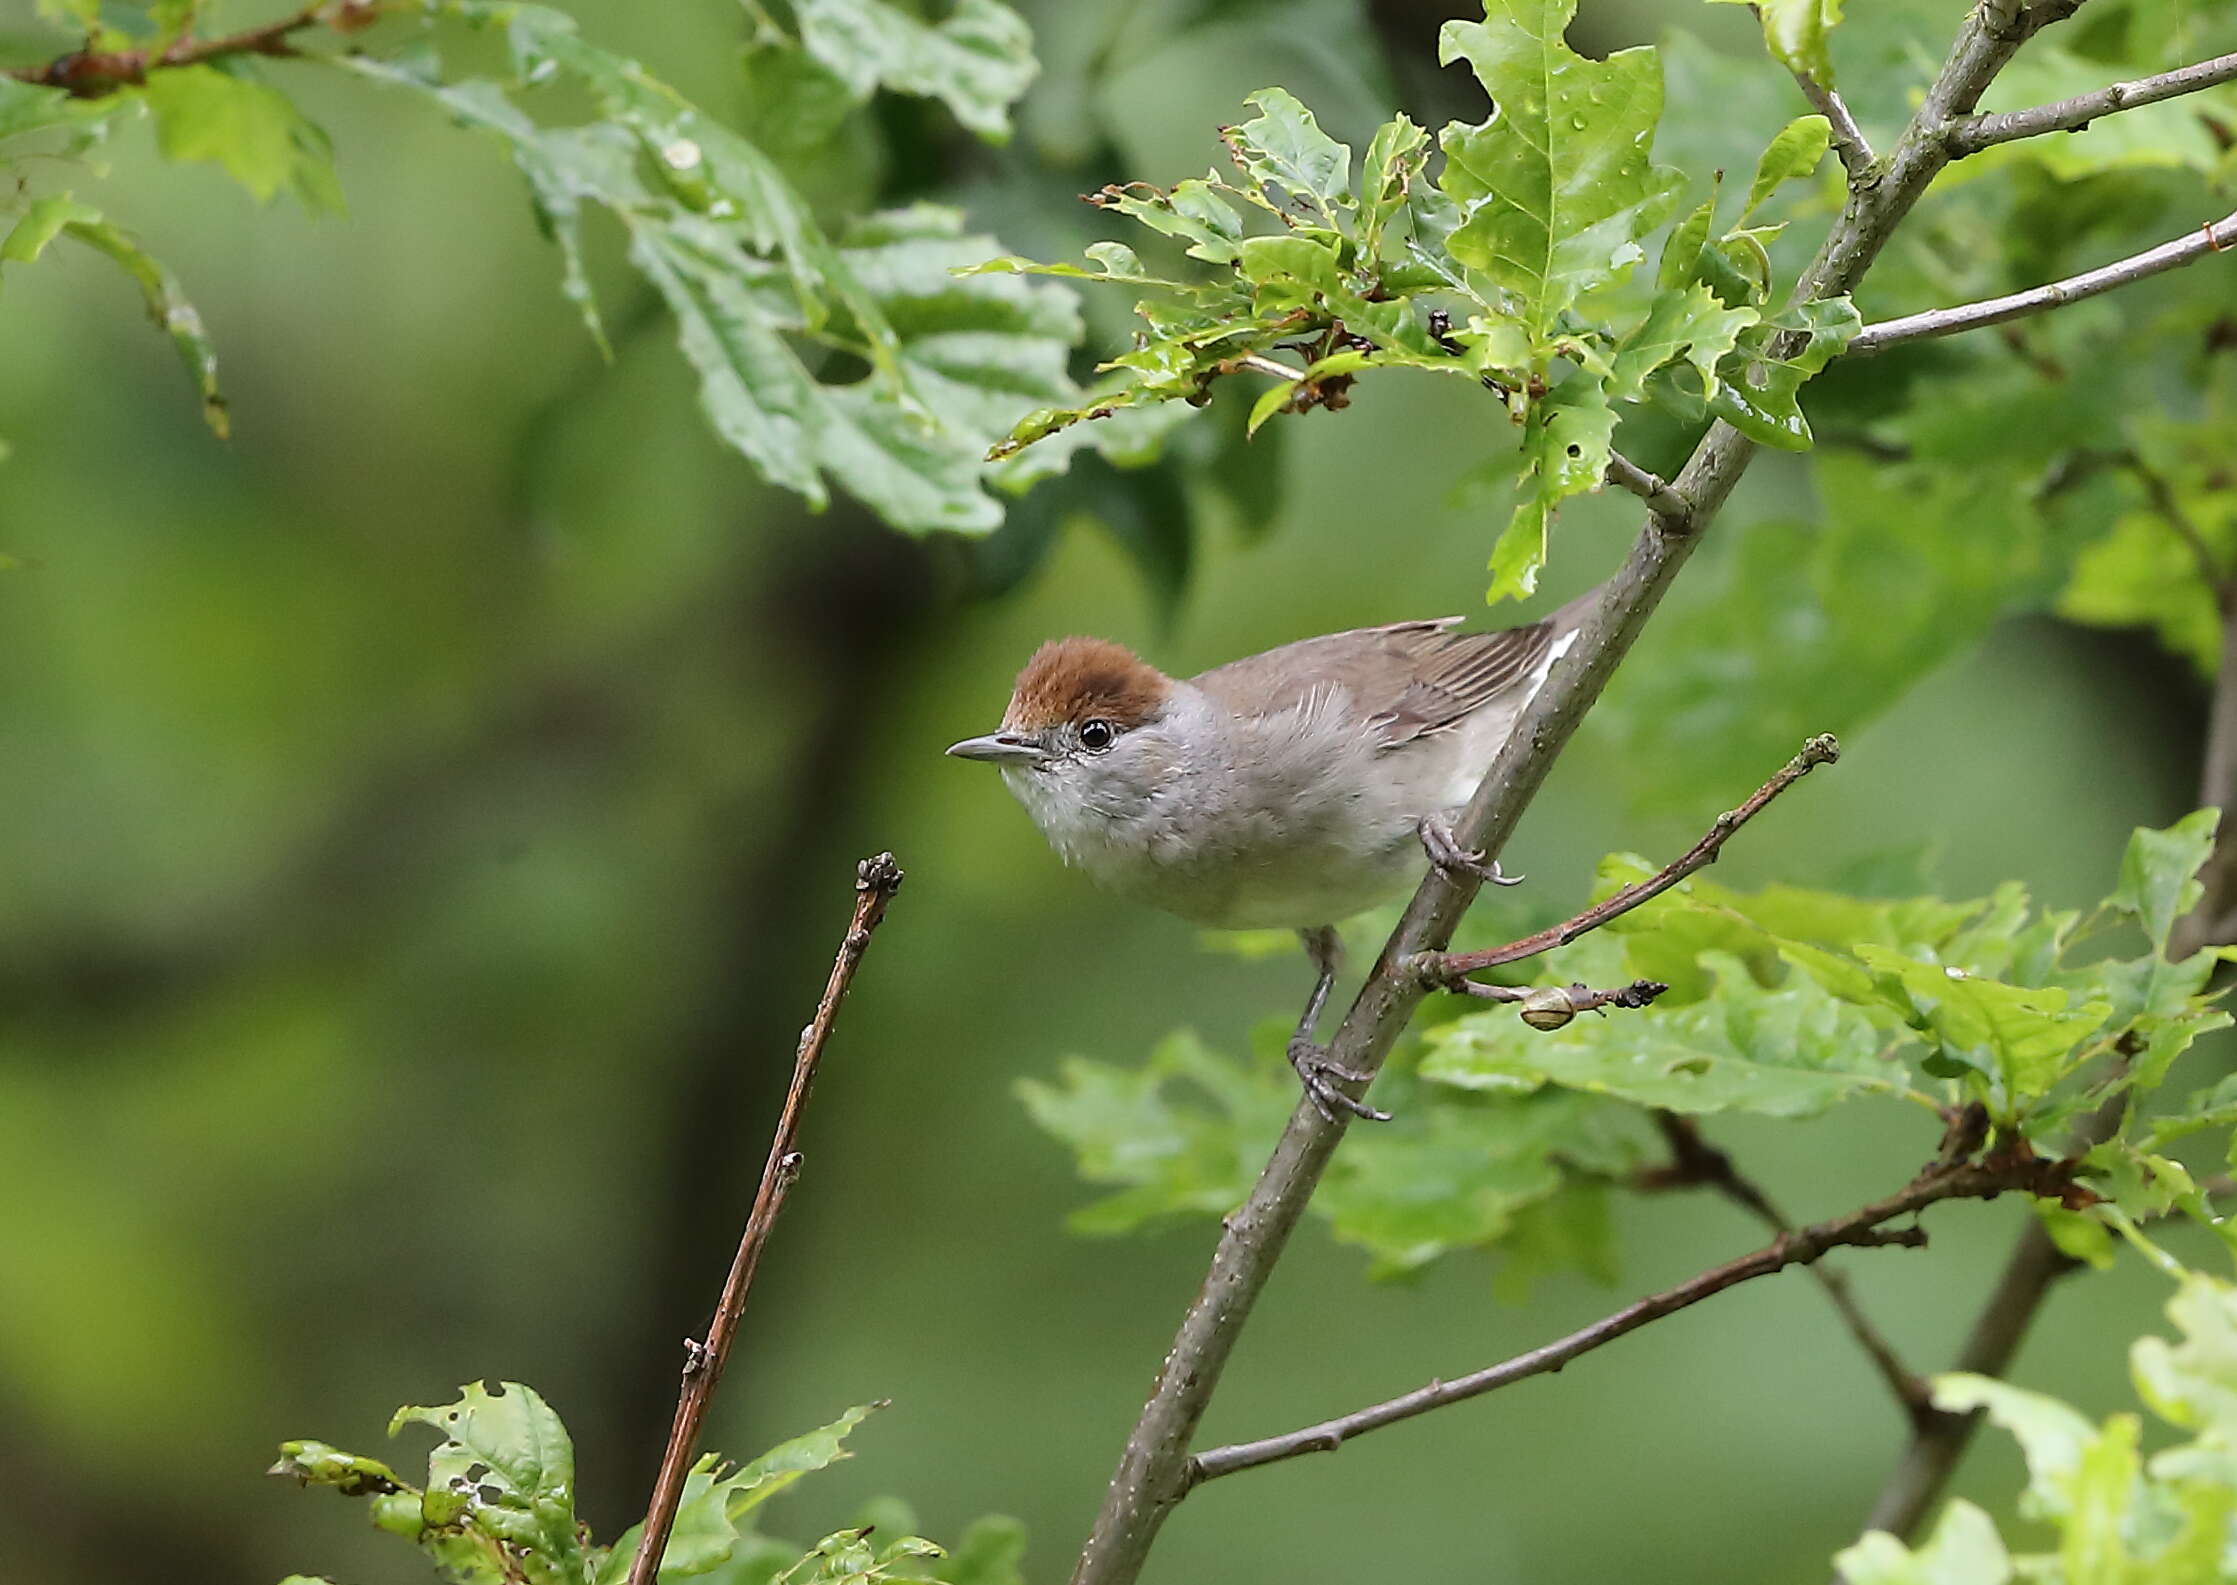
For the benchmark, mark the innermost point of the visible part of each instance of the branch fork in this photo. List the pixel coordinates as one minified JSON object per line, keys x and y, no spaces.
{"x":1449,"y":971}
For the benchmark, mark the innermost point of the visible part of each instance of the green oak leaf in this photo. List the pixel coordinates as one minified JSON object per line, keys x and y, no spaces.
{"x":2159,"y":873}
{"x":505,"y":1467}
{"x":1567,"y":440}
{"x":2052,"y":1434}
{"x":1559,"y":186}
{"x":707,"y":1530}
{"x":2025,"y":1037}
{"x":317,"y":1464}
{"x":977,"y":59}
{"x":27,"y":108}
{"x":1821,"y":623}
{"x":1793,"y":154}
{"x":1681,"y":261}
{"x":1185,"y":1134}
{"x":1465,"y":1176}
{"x":1790,"y":1051}
{"x":2142,"y":572}
{"x":1193,"y":211}
{"x":1171,"y":1157}
{"x":757,"y":290}
{"x":1964,"y":1549}
{"x":1795,"y":32}
{"x":1283,"y":147}
{"x":1759,"y":391}
{"x":228,"y":117}
{"x":1689,"y":323}
{"x":2193,"y":1383}
{"x":2114,"y":1514}
{"x":1392,"y":168}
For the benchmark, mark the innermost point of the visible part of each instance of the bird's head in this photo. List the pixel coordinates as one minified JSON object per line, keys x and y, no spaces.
{"x":1078,"y":704}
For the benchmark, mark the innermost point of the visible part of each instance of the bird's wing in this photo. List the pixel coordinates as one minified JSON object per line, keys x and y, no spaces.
{"x":1407,"y":679}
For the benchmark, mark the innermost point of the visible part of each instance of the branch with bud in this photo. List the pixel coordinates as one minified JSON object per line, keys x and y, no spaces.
{"x":92,"y":73}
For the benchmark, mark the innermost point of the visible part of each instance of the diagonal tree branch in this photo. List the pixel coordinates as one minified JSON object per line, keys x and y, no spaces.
{"x":1971,"y":134}
{"x":1154,"y":1470}
{"x":1447,"y":969}
{"x":2170,"y":511}
{"x":876,"y":880}
{"x":2215,"y":236}
{"x":1866,"y":1227}
{"x":1693,"y":1160}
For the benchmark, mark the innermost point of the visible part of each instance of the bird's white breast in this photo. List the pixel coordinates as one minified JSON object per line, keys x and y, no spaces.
{"x":1296,"y":818}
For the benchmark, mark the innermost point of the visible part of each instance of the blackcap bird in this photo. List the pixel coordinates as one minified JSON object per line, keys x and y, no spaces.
{"x":1289,"y":789}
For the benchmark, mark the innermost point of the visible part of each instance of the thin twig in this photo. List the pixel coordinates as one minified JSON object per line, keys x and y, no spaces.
{"x":1651,"y":488}
{"x":1446,"y":969}
{"x":1940,"y":1440}
{"x":1693,"y":1160}
{"x":2210,"y":573}
{"x":1971,"y":134}
{"x":876,"y":880}
{"x":2215,"y":236}
{"x":90,"y":73}
{"x":1849,"y":141}
{"x":1861,"y":1228}
{"x":1153,"y":1469}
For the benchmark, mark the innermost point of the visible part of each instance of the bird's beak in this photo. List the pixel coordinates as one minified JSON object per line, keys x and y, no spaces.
{"x":1002,"y":748}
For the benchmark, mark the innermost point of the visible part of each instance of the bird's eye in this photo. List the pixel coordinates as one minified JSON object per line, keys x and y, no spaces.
{"x":1096,"y":736}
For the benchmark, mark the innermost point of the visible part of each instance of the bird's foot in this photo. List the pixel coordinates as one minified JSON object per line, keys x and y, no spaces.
{"x":1447,"y":854}
{"x":1318,"y":1075}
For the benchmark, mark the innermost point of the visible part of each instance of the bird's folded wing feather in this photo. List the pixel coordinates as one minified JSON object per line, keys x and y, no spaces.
{"x":1406,"y":680}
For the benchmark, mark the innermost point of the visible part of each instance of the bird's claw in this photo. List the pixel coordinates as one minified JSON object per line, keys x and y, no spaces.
{"x":1318,"y":1074}
{"x":1447,"y":854}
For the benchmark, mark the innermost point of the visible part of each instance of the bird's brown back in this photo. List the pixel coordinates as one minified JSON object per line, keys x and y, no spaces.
{"x":1409,"y":679}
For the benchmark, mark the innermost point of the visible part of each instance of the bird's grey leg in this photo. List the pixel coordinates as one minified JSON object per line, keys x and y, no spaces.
{"x":1447,"y":854}
{"x":1310,"y":1059}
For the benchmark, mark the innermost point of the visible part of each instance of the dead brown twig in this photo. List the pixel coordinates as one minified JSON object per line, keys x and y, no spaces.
{"x":876,"y":880}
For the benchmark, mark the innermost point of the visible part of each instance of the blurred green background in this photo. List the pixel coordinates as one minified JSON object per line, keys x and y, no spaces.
{"x":425,"y":822}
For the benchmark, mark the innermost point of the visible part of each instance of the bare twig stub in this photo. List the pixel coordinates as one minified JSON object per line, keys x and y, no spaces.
{"x":2215,"y":236}
{"x":876,"y":880}
{"x":1448,"y":969}
{"x":1154,"y":1470}
{"x":1996,"y":1174}
{"x":1848,"y":138}
{"x":1651,"y":488}
{"x":91,"y":73}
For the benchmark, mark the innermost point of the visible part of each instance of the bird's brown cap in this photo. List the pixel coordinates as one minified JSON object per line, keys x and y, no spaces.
{"x":1083,"y":679}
